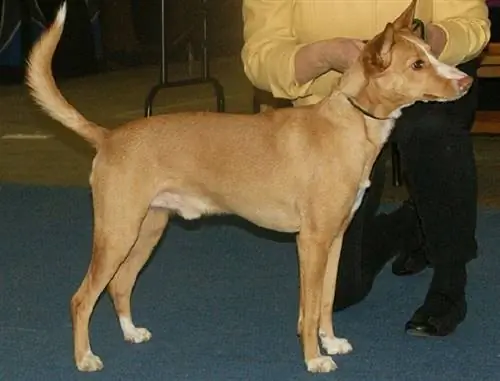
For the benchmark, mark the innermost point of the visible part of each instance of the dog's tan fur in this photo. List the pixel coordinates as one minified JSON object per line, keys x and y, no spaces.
{"x":300,"y":170}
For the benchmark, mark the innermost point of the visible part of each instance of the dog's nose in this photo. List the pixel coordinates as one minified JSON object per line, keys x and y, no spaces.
{"x":465,"y":83}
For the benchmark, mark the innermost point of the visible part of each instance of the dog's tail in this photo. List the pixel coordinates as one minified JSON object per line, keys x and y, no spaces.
{"x":44,"y":90}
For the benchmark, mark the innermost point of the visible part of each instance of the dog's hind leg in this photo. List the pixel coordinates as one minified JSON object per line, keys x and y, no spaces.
{"x":117,"y":221}
{"x":120,"y":287}
{"x":332,"y":344}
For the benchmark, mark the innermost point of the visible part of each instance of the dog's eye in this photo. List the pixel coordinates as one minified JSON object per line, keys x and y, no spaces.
{"x":418,"y":64}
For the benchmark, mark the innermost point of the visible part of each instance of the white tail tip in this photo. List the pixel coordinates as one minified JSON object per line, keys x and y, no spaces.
{"x":61,"y":15}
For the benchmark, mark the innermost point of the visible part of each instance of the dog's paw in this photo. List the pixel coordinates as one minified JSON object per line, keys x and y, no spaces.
{"x":89,"y":363}
{"x":322,"y":364}
{"x":336,"y":346}
{"x":137,"y":335}
{"x":133,"y":334}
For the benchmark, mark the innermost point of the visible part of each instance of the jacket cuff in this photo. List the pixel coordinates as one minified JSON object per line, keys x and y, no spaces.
{"x":283,"y":81}
{"x":455,"y":50}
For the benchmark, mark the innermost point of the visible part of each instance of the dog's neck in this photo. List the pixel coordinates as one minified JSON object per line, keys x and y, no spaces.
{"x":365,"y":112}
{"x":366,"y":98}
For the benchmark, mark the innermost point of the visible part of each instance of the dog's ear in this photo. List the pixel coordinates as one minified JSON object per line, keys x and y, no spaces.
{"x":377,"y":53}
{"x":405,"y":19}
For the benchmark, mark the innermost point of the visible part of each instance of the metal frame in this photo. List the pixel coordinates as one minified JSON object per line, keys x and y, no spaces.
{"x":205,"y":77}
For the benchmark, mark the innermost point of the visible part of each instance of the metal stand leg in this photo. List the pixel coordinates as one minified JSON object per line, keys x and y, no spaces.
{"x":205,"y":69}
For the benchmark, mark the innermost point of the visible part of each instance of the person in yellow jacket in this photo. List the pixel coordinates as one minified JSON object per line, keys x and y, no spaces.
{"x":298,"y":49}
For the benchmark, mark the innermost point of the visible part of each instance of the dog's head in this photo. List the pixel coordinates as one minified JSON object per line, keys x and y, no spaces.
{"x":399,"y":67}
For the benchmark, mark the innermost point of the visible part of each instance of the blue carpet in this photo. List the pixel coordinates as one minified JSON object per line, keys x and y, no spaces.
{"x":221,"y":302}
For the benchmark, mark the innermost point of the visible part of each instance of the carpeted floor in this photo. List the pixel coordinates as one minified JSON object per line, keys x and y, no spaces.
{"x":221,"y":302}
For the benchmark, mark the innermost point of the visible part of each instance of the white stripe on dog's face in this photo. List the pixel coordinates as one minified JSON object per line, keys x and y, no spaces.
{"x":445,"y":71}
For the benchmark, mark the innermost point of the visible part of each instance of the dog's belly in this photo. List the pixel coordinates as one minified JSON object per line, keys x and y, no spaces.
{"x":277,"y":220}
{"x":186,"y":206}
{"x":193,"y":207}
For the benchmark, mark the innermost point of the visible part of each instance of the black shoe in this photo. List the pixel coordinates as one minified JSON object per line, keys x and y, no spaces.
{"x":444,"y":307}
{"x":439,"y":316}
{"x":410,"y":262}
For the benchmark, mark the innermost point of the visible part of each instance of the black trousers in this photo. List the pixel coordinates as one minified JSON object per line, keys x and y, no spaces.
{"x":439,"y":167}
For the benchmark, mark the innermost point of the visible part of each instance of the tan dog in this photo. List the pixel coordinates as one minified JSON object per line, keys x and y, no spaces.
{"x":298,"y":170}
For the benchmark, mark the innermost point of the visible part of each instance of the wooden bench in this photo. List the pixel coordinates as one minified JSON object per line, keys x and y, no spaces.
{"x":487,"y":123}
{"x":490,"y":63}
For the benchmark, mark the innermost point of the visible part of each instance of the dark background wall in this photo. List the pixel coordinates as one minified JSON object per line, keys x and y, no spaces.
{"x":224,"y":18}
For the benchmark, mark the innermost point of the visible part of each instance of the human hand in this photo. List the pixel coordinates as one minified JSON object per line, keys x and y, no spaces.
{"x":319,"y":57}
{"x":342,"y":52}
{"x":436,"y":38}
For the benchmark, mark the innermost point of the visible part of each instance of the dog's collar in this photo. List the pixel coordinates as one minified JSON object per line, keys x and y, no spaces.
{"x":361,"y":109}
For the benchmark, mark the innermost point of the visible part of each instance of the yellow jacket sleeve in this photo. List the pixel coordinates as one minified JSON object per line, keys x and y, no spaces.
{"x":467,"y":28}
{"x":270,"y":46}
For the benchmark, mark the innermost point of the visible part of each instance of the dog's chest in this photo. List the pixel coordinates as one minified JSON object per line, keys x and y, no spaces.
{"x":386,"y":129}
{"x":359,"y":196}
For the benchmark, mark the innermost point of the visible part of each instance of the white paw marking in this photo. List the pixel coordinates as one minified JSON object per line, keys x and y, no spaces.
{"x":139,"y":335}
{"x":89,"y":363}
{"x":322,"y":364}
{"x":336,"y":346}
{"x":132,"y":333}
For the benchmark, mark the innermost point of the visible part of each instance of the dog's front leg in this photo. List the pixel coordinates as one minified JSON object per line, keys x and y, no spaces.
{"x":313,"y":248}
{"x":332,"y":344}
